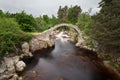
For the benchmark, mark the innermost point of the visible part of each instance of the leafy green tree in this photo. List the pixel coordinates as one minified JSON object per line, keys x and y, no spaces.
{"x":62,"y":14}
{"x":54,"y":20}
{"x":27,"y":22}
{"x":42,"y":24}
{"x":10,"y":15}
{"x":84,"y":20}
{"x":73,"y":13}
{"x":70,"y":15}
{"x":106,"y":27}
{"x":46,"y":18}
{"x":2,"y":13}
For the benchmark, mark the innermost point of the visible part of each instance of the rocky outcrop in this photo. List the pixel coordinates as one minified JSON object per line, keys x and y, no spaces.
{"x":41,"y":41}
{"x":37,"y":44}
{"x":26,"y":50}
{"x":20,"y":65}
{"x":13,"y":64}
{"x":9,"y":67}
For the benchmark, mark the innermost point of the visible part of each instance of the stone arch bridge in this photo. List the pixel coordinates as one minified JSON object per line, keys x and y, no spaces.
{"x":46,"y":33}
{"x":68,"y":25}
{"x":45,"y":36}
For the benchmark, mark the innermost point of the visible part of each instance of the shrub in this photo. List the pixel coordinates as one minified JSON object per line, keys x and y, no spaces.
{"x":26,"y":22}
{"x":10,"y":35}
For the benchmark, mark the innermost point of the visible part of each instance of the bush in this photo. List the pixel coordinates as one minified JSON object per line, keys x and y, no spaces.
{"x":26,"y":22}
{"x":10,"y":35}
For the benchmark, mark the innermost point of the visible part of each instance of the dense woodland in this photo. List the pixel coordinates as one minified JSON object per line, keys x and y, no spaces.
{"x":103,"y":27}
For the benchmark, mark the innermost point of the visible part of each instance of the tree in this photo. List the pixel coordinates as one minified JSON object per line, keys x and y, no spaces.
{"x":54,"y":20}
{"x":27,"y":22}
{"x":106,"y":27}
{"x":45,"y":22}
{"x":70,"y":15}
{"x":62,"y":14}
{"x":42,"y":23}
{"x":73,"y":13}
{"x":46,"y":18}
{"x":1,"y":13}
{"x":83,"y":22}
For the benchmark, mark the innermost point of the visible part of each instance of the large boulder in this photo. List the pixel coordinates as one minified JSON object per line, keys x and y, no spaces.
{"x":37,"y":44}
{"x":7,"y":68}
{"x":25,"y":50}
{"x":42,"y":40}
{"x":16,"y":59}
{"x":25,"y":47}
{"x":20,"y":65}
{"x":9,"y":64}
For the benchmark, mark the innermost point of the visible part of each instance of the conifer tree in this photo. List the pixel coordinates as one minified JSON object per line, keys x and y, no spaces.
{"x":106,"y":27}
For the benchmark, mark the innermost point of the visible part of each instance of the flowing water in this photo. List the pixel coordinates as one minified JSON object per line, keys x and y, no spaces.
{"x":62,"y":63}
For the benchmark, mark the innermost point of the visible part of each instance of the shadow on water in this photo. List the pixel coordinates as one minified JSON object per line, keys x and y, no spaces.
{"x":64,"y":62}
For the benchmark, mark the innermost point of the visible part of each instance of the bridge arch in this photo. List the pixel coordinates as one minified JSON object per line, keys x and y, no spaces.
{"x":80,"y":39}
{"x":68,"y":25}
{"x":46,"y":34}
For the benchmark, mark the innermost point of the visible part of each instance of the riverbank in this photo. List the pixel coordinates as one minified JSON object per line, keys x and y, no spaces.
{"x":13,"y":65}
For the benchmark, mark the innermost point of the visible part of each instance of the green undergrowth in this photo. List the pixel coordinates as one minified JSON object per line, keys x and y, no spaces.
{"x":113,"y":62}
{"x":116,"y":65}
{"x":11,"y":36}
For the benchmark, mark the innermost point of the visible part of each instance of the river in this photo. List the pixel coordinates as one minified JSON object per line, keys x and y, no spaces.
{"x":62,"y":63}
